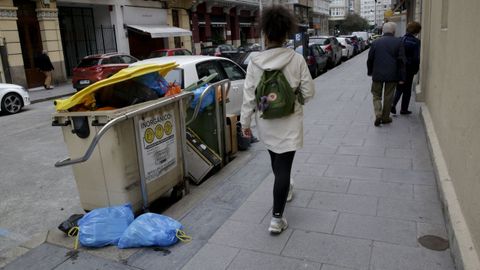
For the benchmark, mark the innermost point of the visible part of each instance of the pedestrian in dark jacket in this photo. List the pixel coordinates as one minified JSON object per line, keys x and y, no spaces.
{"x":45,"y":65}
{"x":386,"y":65}
{"x":412,"y":54}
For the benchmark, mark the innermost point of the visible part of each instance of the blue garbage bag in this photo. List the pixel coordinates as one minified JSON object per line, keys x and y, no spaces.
{"x":150,"y":229}
{"x":154,"y":81}
{"x":104,"y":226}
{"x":207,"y":100}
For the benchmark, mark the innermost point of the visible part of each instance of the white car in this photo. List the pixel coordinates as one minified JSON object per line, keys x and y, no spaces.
{"x":13,"y":98}
{"x":192,"y":68}
{"x":347,"y":47}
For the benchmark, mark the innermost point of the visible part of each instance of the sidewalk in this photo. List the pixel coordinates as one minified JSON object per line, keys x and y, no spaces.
{"x":363,"y":195}
{"x":40,"y":94}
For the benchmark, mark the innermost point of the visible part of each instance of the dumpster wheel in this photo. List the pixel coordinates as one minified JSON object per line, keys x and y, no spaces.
{"x":177,"y":193}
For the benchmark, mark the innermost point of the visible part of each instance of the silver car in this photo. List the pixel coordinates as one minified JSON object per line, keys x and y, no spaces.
{"x":13,"y":98}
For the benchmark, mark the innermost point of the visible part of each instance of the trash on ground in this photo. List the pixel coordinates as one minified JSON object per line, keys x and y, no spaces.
{"x":70,"y":223}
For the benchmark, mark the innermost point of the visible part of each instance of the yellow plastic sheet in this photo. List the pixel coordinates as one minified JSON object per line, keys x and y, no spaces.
{"x":87,"y":95}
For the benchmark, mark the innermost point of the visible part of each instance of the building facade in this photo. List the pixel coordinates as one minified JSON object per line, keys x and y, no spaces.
{"x":320,"y":16}
{"x":448,"y":86}
{"x":339,"y":9}
{"x":368,"y":8}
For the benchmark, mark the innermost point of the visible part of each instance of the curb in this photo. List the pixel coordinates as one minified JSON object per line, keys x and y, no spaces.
{"x":50,"y":98}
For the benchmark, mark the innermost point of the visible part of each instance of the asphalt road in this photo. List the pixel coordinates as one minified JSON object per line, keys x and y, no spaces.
{"x":34,"y":195}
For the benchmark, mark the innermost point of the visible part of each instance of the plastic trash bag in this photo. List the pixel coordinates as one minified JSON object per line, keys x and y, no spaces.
{"x":208,"y":99}
{"x":151,"y":229}
{"x":104,"y":226}
{"x":155,"y":82}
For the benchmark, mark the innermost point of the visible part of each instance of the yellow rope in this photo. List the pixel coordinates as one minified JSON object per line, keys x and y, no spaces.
{"x":74,"y":232}
{"x":182,"y":236}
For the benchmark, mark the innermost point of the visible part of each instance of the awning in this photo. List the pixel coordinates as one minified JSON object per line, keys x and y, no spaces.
{"x":161,"y":31}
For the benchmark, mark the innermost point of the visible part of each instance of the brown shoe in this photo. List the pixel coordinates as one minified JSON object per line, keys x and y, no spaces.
{"x":387,"y":121}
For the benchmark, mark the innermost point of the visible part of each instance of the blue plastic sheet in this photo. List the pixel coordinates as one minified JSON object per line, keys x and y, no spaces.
{"x":150,"y":230}
{"x":104,"y":226}
{"x":208,"y":99}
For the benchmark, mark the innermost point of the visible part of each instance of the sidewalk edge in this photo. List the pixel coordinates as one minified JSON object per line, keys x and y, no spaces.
{"x":50,"y":98}
{"x":462,"y":248}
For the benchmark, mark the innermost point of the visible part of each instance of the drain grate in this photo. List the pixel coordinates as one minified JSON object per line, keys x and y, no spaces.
{"x":434,"y":242}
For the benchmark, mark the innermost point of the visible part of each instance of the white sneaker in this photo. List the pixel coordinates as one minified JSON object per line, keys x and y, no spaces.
{"x":277,"y":225}
{"x":290,"y":191}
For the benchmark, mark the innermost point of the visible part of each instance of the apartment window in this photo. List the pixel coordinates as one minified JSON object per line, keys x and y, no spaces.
{"x":444,"y":22}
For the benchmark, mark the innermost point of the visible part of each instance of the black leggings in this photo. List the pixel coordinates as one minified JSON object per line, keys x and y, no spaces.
{"x":281,"y":166}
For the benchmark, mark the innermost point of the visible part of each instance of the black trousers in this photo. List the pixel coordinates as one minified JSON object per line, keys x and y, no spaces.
{"x":405,"y":90}
{"x":282,"y":167}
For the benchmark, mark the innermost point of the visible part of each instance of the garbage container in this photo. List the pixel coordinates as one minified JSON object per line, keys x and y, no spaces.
{"x":128,"y":155}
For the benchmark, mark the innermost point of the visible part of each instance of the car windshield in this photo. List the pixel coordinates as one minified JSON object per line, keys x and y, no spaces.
{"x":158,"y":54}
{"x":89,"y":62}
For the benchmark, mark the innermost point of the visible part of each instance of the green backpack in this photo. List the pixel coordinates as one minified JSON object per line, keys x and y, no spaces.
{"x":274,"y":95}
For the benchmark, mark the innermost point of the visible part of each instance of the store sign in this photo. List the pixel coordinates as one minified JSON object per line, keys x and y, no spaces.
{"x":159,"y":143}
{"x":144,"y":16}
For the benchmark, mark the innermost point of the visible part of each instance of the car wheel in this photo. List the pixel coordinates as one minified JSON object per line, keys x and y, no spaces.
{"x":12,"y":103}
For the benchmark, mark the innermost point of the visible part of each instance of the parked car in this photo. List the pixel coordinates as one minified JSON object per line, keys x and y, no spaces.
{"x":316,"y":60}
{"x":193,"y":68}
{"x":250,"y":47}
{"x":169,"y":52}
{"x":357,"y":48}
{"x":13,"y":98}
{"x":331,"y":47}
{"x":363,"y":43}
{"x":347,"y":47}
{"x":364,"y":36}
{"x":244,"y":58}
{"x":97,"y":67}
{"x":225,"y":50}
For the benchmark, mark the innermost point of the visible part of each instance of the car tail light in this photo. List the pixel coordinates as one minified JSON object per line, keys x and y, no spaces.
{"x":310,"y":60}
{"x":328,"y":48}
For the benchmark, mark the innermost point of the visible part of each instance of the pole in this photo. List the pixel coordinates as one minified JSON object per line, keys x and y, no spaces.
{"x":262,"y":39}
{"x":375,"y":19}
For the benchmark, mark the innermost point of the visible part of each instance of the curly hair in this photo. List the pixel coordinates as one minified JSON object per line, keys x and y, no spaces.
{"x":277,"y":23}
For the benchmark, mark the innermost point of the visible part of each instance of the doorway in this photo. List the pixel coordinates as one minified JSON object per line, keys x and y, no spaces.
{"x":30,"y":40}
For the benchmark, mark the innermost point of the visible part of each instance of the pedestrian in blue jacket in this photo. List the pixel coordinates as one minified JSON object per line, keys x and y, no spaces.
{"x":412,"y":53}
{"x":386,"y":65}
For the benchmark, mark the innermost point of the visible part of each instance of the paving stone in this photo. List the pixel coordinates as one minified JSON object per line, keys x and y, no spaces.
{"x":260,"y":261}
{"x":250,"y":236}
{"x":85,"y":261}
{"x":393,"y":257}
{"x":344,"y":203}
{"x":301,"y":157}
{"x":250,"y":176}
{"x":36,"y":240}
{"x":332,"y":267}
{"x":384,"y":162}
{"x":308,"y":169}
{"x":431,"y":229}
{"x":301,"y":198}
{"x":414,"y":210}
{"x":381,"y":189}
{"x":171,"y":258}
{"x":362,"y":150}
{"x":252,"y":212}
{"x":45,"y":256}
{"x":376,"y":228}
{"x":202,"y":222}
{"x":407,"y":153}
{"x":424,"y":164}
{"x":212,"y":257}
{"x":342,"y":141}
{"x":308,"y":219}
{"x":264,"y":192}
{"x":331,"y":159}
{"x":319,"y":149}
{"x":230,"y":196}
{"x":426,"y":193}
{"x":317,"y":183}
{"x":9,"y":255}
{"x":337,"y":250}
{"x":408,"y":177}
{"x":353,"y":172}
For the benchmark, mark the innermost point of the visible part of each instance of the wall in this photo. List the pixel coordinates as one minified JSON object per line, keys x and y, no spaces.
{"x":449,"y":82}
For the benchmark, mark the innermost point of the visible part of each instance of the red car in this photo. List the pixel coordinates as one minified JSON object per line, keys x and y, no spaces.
{"x":94,"y":68}
{"x":169,"y":52}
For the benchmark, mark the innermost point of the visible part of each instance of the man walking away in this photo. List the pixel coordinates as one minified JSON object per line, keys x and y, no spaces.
{"x":45,"y":65}
{"x":386,"y":65}
{"x":412,"y":54}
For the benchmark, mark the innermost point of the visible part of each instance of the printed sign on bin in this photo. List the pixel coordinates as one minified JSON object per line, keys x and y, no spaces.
{"x":159,"y":146}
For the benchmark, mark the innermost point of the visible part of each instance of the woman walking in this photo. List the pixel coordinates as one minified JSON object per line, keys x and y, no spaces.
{"x":45,"y":65}
{"x":281,"y":136}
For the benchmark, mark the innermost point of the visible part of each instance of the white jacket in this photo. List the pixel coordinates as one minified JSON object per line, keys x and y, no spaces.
{"x":283,"y":134}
